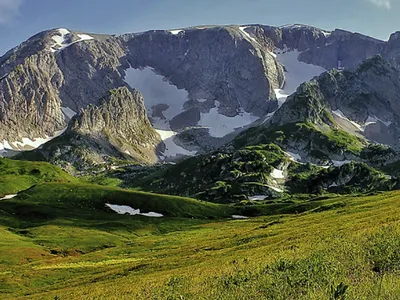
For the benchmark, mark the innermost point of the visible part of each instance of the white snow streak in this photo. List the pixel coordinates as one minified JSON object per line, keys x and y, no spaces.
{"x":8,"y":197}
{"x":247,"y":35}
{"x":124,"y":209}
{"x":257,"y":198}
{"x":372,"y":120}
{"x":35,"y":143}
{"x":239,"y":217}
{"x":341,"y":115}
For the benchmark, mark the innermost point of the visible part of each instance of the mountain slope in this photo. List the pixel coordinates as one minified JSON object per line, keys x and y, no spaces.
{"x":335,"y":116}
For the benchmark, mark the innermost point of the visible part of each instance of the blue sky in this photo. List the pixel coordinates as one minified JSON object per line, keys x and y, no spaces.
{"x":20,"y":19}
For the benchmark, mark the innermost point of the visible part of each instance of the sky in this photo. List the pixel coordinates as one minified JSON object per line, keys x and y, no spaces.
{"x":20,"y":19}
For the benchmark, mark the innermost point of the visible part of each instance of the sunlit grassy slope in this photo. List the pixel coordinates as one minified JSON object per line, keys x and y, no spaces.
{"x":58,"y":240}
{"x":16,"y":176}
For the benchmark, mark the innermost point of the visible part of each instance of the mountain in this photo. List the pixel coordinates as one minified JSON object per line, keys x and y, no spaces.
{"x":336,"y":115}
{"x":203,"y":88}
{"x":116,"y":129}
{"x":215,"y":77}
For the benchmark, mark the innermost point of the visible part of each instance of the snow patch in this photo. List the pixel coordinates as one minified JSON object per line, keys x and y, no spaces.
{"x":157,"y":90}
{"x":220,"y":125}
{"x":172,"y":149}
{"x":277,"y":174}
{"x":333,"y":185}
{"x":5,"y":146}
{"x":176,"y":32}
{"x":257,"y":198}
{"x":8,"y":197}
{"x":61,"y":40}
{"x":297,"y":72}
{"x":338,"y":163}
{"x":69,"y":113}
{"x":124,"y":209}
{"x":326,"y":33}
{"x":239,"y":217}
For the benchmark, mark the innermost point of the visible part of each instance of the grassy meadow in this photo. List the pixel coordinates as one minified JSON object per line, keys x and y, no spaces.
{"x":60,"y":241}
{"x":350,"y":251}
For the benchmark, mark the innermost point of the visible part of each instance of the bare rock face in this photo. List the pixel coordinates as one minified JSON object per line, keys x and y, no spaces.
{"x":217,"y":64}
{"x":37,"y":83}
{"x":116,"y":129}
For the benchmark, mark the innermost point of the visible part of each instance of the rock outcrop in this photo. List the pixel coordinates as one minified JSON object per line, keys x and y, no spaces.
{"x":116,"y":129}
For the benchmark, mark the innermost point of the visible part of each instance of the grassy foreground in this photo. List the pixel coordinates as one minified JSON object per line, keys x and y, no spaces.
{"x":347,"y":251}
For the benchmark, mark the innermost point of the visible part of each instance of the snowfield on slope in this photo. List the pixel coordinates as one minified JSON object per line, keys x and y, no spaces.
{"x":172,"y":149}
{"x":297,"y":72}
{"x":157,"y":90}
{"x":27,"y":143}
{"x":220,"y":125}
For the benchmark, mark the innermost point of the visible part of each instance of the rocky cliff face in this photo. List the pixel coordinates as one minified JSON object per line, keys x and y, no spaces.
{"x":39,"y":80}
{"x":116,"y":129}
{"x":336,"y":49}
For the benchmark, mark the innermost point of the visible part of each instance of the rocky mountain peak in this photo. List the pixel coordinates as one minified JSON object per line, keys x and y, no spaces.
{"x":116,"y":129}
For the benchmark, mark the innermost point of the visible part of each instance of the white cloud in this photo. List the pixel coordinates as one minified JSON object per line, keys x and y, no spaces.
{"x":9,"y":9}
{"x":382,"y":3}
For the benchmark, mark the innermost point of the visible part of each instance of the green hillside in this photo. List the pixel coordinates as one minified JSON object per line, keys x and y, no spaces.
{"x":16,"y":176}
{"x":346,"y":250}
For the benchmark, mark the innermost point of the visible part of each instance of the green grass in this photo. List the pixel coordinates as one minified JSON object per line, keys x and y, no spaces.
{"x":54,"y":200}
{"x":16,"y":176}
{"x":327,"y":141}
{"x":59,"y":241}
{"x":349,"y":251}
